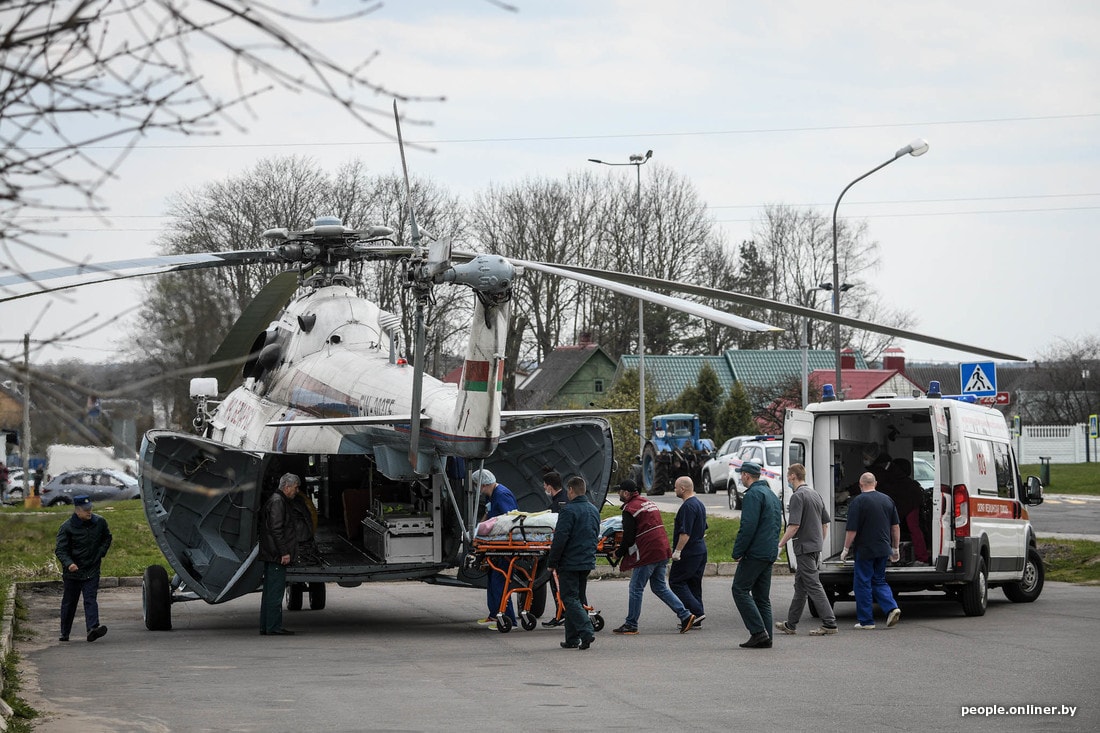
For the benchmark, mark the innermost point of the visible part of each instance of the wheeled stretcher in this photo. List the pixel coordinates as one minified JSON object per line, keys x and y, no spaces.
{"x":516,"y":545}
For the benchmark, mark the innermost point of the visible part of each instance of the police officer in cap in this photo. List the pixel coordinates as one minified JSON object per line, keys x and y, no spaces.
{"x":82,"y":543}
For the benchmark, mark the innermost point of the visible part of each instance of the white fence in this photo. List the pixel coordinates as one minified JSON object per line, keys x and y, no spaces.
{"x":1059,"y":443}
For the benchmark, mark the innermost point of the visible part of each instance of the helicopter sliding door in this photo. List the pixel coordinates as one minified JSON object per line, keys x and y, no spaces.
{"x":201,"y":499}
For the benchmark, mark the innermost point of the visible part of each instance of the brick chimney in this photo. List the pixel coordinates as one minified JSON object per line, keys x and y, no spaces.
{"x":585,"y":338}
{"x":894,"y":358}
{"x":847,"y":359}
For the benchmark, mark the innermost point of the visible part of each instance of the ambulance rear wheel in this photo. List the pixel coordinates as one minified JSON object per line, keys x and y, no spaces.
{"x":975,"y":594}
{"x":1028,"y":588}
{"x":156,"y":599}
{"x":527,"y":621}
{"x":317,"y":596}
{"x":504,"y":624}
{"x":294,"y":594}
{"x":597,"y":622}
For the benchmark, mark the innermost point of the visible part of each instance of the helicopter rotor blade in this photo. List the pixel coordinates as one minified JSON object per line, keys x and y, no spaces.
{"x":797,"y":310}
{"x":22,"y":285}
{"x":603,"y":279}
{"x":405,"y":169}
{"x":260,"y":311}
{"x":417,"y":387}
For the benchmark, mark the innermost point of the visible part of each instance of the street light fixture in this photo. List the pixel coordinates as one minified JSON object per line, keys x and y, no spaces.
{"x":638,"y":160}
{"x":916,"y":148}
{"x":806,"y":339}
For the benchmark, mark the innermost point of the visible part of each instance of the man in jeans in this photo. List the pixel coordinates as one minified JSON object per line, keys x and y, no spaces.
{"x":873,"y":532}
{"x":808,"y":525}
{"x":645,"y":552}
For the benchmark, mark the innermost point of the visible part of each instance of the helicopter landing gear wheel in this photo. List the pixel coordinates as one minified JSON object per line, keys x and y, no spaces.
{"x":504,"y":624}
{"x":294,"y":593}
{"x":597,"y":622}
{"x":527,"y":620}
{"x":316,"y":596}
{"x":156,"y":599}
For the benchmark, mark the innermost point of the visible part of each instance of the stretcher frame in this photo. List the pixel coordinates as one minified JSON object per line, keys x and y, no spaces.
{"x":517,"y":558}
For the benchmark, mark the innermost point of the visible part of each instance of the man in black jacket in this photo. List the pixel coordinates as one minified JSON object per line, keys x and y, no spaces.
{"x":573,"y":555}
{"x":82,"y":543}
{"x":280,"y":533}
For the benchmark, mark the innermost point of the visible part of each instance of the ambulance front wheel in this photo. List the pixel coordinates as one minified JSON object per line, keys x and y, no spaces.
{"x":294,"y":594}
{"x":1028,"y":588}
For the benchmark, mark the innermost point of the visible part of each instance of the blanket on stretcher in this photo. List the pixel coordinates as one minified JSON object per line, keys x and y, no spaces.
{"x":519,"y":527}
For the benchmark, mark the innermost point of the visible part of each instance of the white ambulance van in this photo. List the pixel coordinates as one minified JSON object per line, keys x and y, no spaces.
{"x":974,"y":519}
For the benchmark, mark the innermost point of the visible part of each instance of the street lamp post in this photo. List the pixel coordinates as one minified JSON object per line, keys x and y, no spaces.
{"x":916,"y":148}
{"x":638,"y":160}
{"x":806,"y":341}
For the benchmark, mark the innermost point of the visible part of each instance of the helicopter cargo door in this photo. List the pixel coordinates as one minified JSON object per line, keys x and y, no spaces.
{"x":201,"y":499}
{"x":577,"y":447}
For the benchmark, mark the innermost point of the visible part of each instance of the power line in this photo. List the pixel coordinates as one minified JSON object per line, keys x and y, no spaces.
{"x":610,"y":136}
{"x":944,"y":213}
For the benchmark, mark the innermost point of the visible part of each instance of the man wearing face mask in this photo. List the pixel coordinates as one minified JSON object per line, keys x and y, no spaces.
{"x":808,"y":525}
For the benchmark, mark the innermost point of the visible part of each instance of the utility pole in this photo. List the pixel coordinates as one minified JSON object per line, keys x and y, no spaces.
{"x":30,"y":499}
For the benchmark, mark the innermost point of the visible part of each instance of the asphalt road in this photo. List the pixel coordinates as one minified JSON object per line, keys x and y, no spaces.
{"x":406,"y":656}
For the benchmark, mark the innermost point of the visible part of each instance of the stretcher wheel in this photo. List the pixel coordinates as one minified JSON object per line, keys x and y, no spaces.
{"x":504,"y":624}
{"x":597,"y":622}
{"x":527,"y":621}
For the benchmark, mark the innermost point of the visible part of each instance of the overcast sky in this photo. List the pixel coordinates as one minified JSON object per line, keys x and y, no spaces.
{"x":988,"y":239}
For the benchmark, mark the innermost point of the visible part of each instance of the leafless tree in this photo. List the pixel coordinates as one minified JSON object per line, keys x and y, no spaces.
{"x":83,"y":82}
{"x":1063,"y":387}
{"x":796,"y":247}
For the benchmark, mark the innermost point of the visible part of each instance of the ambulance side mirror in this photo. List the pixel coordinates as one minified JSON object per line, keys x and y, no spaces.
{"x":1033,"y":491}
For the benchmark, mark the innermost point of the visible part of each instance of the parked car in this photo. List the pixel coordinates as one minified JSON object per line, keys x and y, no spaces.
{"x":101,"y":484}
{"x":716,"y":471}
{"x":924,"y":473}
{"x":13,"y":490}
{"x":767,"y":451}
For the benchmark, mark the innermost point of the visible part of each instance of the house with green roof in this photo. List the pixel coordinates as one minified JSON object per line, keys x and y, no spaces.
{"x":670,"y":374}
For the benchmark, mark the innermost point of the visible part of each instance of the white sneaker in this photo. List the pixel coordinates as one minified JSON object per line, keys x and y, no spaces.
{"x":893,"y":618}
{"x":867,"y":627}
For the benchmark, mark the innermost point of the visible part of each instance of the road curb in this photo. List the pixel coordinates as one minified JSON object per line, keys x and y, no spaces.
{"x":7,"y":639}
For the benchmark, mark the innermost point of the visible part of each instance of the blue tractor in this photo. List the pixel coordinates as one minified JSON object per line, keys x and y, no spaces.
{"x":674,"y":448}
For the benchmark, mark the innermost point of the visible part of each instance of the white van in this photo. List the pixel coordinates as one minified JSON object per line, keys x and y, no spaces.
{"x":975,"y":520}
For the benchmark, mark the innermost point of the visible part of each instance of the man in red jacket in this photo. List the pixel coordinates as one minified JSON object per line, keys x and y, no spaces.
{"x":645,"y":552}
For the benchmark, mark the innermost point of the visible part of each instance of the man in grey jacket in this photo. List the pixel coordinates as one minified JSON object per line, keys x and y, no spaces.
{"x":808,"y":525}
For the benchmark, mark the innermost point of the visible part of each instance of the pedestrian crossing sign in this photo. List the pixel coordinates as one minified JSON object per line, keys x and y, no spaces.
{"x":978,"y":378}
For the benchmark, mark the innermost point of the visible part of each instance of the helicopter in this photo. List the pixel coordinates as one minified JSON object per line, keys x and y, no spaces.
{"x":381,"y":447}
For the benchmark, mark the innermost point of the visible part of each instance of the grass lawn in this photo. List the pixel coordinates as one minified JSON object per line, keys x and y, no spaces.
{"x":1068,"y":478}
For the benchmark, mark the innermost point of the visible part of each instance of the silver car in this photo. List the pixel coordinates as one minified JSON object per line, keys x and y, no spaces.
{"x":716,"y":470}
{"x":99,"y":484}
